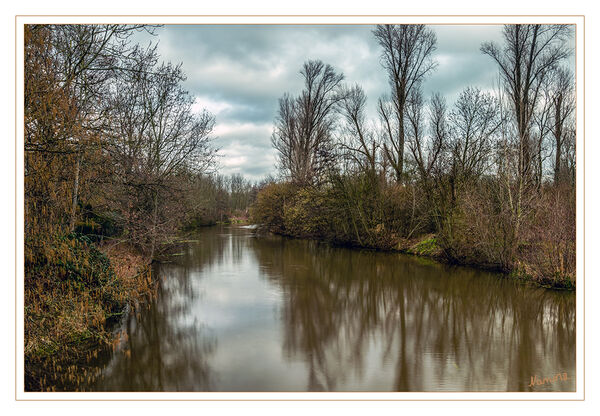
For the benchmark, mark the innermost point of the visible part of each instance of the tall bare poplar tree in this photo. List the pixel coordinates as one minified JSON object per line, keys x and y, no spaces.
{"x":529,"y":55}
{"x":406,"y":56}
{"x":304,"y":125}
{"x":562,"y":109}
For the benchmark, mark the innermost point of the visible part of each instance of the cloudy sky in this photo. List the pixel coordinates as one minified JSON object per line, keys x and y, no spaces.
{"x":238,"y":72}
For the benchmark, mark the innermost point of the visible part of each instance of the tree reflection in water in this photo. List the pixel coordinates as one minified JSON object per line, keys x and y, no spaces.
{"x":441,"y":327}
{"x":245,"y":313}
{"x":164,"y":347}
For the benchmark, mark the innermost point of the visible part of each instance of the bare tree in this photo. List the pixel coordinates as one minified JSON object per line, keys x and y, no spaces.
{"x":475,"y":120}
{"x":439,"y":132}
{"x":406,"y":56}
{"x":427,"y":134}
{"x":554,"y":113}
{"x":529,"y":55}
{"x":88,"y":57}
{"x":156,"y":140}
{"x":76,"y":64}
{"x":359,"y":140}
{"x":541,"y":128}
{"x":416,"y":134}
{"x":568,"y":151}
{"x":303,"y":133}
{"x":240,"y":190}
{"x":563,"y":108}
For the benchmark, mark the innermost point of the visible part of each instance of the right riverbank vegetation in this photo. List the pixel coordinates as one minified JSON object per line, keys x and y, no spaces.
{"x":488,"y":180}
{"x":119,"y":163}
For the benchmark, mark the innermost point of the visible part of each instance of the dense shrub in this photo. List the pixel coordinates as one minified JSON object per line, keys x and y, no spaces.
{"x":476,"y":230}
{"x":537,"y":242}
{"x":269,"y":207}
{"x":548,"y":250}
{"x":350,"y":210}
{"x":477,"y":226}
{"x":96,"y":226}
{"x":306,"y":213}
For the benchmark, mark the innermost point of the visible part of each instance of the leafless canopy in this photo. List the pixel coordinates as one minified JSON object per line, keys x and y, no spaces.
{"x":529,"y":55}
{"x":304,"y":125}
{"x":475,"y":119}
{"x":406,"y":57}
{"x":358,"y":141}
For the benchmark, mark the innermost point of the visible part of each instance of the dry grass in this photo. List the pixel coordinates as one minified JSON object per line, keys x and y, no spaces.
{"x":73,"y":292}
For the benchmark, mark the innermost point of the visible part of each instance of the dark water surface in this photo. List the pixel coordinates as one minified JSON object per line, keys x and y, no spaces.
{"x":237,"y":312}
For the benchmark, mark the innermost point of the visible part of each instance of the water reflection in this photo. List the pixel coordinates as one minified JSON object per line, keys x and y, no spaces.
{"x":239,"y":313}
{"x":163,"y":348}
{"x":437,"y":327}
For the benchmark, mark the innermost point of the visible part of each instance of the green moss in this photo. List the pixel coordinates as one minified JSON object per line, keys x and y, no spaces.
{"x":77,"y":337}
{"x":426,"y":247}
{"x":45,"y":348}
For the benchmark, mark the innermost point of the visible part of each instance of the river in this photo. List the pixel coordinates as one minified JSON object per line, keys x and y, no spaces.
{"x":240,"y":312}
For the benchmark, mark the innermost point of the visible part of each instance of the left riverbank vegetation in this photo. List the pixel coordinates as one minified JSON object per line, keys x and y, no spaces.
{"x":488,"y":180}
{"x":117,"y":162}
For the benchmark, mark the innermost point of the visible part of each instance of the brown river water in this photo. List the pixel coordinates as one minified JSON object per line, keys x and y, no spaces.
{"x":239,"y":312}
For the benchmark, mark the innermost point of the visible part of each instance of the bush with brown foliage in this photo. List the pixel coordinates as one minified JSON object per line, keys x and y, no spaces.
{"x":549,"y":240}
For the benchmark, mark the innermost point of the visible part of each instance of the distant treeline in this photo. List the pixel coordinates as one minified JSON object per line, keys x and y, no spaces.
{"x":488,"y":180}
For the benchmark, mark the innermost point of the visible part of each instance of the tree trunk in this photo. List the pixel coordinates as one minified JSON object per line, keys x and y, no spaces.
{"x":75,"y":191}
{"x":154,"y":223}
{"x":558,"y":138}
{"x":400,"y":169}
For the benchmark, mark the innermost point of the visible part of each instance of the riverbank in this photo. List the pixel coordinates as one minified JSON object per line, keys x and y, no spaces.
{"x":426,"y":247}
{"x":537,"y":245}
{"x":75,"y":291}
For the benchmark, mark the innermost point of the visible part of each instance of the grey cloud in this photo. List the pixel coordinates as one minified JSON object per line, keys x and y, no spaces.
{"x":242,"y":70}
